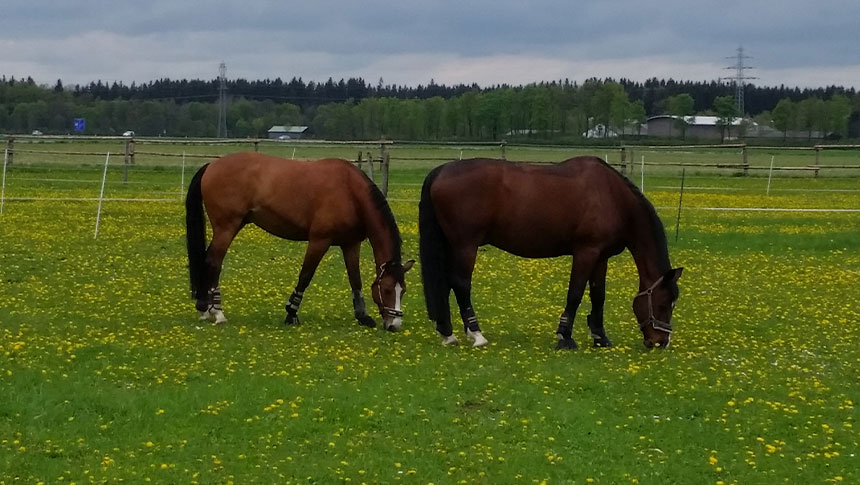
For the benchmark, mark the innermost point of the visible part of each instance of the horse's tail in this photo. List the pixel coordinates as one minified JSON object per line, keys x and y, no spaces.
{"x":195,"y":235}
{"x":434,"y":251}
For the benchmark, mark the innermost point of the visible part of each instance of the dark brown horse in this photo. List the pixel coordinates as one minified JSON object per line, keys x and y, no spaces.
{"x":326,"y":202}
{"x":580,"y":207}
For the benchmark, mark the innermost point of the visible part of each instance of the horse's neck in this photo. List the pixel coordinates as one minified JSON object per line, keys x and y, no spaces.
{"x":646,"y":253}
{"x":380,"y":241}
{"x":378,"y":233}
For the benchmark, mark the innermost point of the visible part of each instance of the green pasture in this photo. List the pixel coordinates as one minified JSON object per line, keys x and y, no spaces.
{"x":107,"y":376}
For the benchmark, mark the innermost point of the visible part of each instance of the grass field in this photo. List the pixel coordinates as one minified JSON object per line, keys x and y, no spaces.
{"x":106,"y":375}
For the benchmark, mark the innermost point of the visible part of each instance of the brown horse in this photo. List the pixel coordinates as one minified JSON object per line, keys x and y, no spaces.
{"x":326,"y":202}
{"x":581,"y":207}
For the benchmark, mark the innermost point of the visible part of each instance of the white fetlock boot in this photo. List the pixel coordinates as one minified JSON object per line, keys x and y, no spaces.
{"x":450,"y":340}
{"x":220,"y":319}
{"x":478,"y":339}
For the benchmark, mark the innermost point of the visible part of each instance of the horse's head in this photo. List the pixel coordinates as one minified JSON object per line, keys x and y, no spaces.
{"x":653,"y":309}
{"x":388,"y":290}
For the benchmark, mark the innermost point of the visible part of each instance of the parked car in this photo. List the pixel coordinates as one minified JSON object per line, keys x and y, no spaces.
{"x":128,"y":133}
{"x":36,"y":133}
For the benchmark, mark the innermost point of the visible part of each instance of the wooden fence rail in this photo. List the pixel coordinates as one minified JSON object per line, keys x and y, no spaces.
{"x":381,"y":160}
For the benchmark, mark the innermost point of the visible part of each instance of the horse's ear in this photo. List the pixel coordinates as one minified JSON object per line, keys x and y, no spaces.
{"x":673,"y":275}
{"x":408,"y":265}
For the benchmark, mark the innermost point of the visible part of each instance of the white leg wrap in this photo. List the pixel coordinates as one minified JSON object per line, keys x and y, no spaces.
{"x":206,"y":316}
{"x":450,"y":340}
{"x":477,"y":338}
{"x":220,"y":319}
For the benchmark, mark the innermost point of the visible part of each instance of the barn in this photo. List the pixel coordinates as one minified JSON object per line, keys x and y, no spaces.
{"x":698,"y":127}
{"x":280,"y":132}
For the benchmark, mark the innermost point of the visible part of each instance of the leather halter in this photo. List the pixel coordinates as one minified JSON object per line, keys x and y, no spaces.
{"x":386,"y":311}
{"x":652,"y":320}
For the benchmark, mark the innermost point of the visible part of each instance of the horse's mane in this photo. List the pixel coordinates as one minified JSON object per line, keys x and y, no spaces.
{"x":654,"y":222}
{"x":381,"y":205}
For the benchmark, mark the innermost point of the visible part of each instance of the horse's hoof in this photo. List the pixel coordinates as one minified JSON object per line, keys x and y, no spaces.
{"x":478,"y":339}
{"x":292,"y":319}
{"x":602,"y":342}
{"x":566,"y":344}
{"x":450,"y":340}
{"x":366,"y":321}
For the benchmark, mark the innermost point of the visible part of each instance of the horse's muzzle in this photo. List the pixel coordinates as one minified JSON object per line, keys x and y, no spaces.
{"x":392,"y":325}
{"x":660,"y":345}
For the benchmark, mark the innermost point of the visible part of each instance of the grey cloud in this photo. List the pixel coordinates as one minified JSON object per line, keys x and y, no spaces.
{"x":347,"y":36}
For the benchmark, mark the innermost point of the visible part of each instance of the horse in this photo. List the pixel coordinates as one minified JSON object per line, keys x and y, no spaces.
{"x":326,"y":202}
{"x":581,"y":207}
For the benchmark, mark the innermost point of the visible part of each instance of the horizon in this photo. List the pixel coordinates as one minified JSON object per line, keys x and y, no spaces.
{"x":432,"y":81}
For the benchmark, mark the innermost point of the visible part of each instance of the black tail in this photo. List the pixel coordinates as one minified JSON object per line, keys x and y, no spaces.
{"x":434,"y":250}
{"x":195,"y":236}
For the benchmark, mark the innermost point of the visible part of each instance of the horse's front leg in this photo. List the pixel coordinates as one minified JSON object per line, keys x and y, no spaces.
{"x":313,"y":256}
{"x":583,"y":263}
{"x":461,"y":283}
{"x":350,"y":259}
{"x":597,"y":293}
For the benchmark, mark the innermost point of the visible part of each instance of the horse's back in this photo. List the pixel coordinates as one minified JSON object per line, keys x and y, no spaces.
{"x":532,"y":210}
{"x":288,"y":198}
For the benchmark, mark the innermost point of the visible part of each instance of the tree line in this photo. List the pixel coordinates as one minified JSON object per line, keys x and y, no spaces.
{"x":352,"y":109}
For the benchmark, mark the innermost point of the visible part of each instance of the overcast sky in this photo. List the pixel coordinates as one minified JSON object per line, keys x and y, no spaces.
{"x":791,"y":42}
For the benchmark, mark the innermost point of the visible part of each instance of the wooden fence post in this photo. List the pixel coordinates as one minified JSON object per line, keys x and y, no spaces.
{"x":10,"y":148}
{"x":623,"y":161}
{"x":129,"y":150}
{"x":817,"y":159}
{"x":746,"y":160}
{"x":502,"y":146}
{"x":256,"y":146}
{"x":370,"y":164}
{"x":383,"y":167}
{"x":632,"y":162}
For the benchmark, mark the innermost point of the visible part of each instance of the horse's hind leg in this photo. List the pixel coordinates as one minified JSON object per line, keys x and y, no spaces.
{"x":461,"y":283}
{"x":314,"y":253}
{"x":597,"y":293}
{"x":222,"y":236}
{"x":350,"y":259}
{"x":583,"y":265}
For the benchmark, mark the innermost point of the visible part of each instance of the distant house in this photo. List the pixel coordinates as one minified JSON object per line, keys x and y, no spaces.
{"x":706,"y":128}
{"x":280,"y":132}
{"x":701,"y":127}
{"x":530,"y":132}
{"x":600,"y":131}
